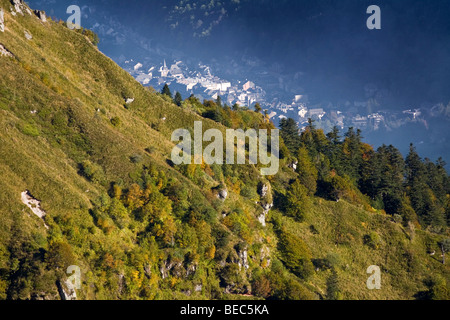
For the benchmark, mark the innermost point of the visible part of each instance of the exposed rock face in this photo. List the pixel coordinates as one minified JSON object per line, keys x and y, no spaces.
{"x":129,"y":100}
{"x":262,"y":217}
{"x":2,"y":20}
{"x":122,"y":283}
{"x":19,"y":7}
{"x":5,"y":52}
{"x":293,"y":165}
{"x":28,"y":35}
{"x":32,"y":203}
{"x":41,"y":15}
{"x":223,"y":194}
{"x":198,"y":288}
{"x":243,"y":259}
{"x":66,"y":290}
{"x":265,"y":191}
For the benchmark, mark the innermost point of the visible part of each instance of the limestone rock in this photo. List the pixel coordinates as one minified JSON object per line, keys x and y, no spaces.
{"x":223,"y":194}
{"x":263,"y":190}
{"x":41,"y":15}
{"x":5,"y":52}
{"x":28,"y":35}
{"x":33,"y":203}
{"x":293,"y":165}
{"x":243,"y":259}
{"x":198,"y":288}
{"x":66,"y":290}
{"x":2,"y":20}
{"x":19,"y":7}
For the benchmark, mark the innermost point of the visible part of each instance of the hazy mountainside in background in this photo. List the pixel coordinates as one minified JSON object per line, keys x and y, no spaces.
{"x":87,"y":180}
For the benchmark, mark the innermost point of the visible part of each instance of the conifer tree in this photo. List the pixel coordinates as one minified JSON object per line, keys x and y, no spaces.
{"x":178,"y":99}
{"x":166,"y":91}
{"x":290,"y":134}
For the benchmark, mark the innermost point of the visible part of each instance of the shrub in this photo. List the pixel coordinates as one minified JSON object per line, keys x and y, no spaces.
{"x":116,"y":122}
{"x":60,"y":255}
{"x":296,"y":255}
{"x":298,"y":204}
{"x":372,"y":240}
{"x":92,"y":171}
{"x":136,"y":158}
{"x":29,"y":130}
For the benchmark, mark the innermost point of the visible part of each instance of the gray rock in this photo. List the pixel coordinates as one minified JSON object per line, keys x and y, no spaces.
{"x":223,"y":194}
{"x":28,"y":35}
{"x":66,"y":290}
{"x":262,"y":218}
{"x":18,"y":6}
{"x":293,"y":165}
{"x":5,"y":52}
{"x":41,"y":15}
{"x":243,"y":259}
{"x":198,"y":288}
{"x":263,"y":191}
{"x":2,"y":20}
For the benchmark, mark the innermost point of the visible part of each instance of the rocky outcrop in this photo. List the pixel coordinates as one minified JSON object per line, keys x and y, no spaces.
{"x":41,"y":15}
{"x":28,"y":35}
{"x":293,"y":165}
{"x":32,"y":203}
{"x":266,"y":209}
{"x":223,"y":194}
{"x":2,"y":20}
{"x":265,"y":192}
{"x":243,"y":259}
{"x":66,"y":290}
{"x":5,"y":52}
{"x":198,"y":288}
{"x":19,"y":7}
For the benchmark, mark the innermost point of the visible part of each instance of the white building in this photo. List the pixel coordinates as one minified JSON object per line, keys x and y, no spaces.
{"x":248,"y":85}
{"x":164,"y":70}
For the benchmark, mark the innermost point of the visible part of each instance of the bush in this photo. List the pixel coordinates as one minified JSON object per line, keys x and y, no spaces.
{"x":298,"y":204}
{"x":60,"y":255}
{"x":29,"y":130}
{"x":136,"y":158}
{"x":116,"y":122}
{"x":296,"y":255}
{"x":93,"y":172}
{"x":372,"y":240}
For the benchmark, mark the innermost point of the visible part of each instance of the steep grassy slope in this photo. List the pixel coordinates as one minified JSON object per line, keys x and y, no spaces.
{"x":140,"y":228}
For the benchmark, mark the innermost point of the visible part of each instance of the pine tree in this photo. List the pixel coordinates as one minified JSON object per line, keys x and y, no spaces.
{"x":166,"y":91}
{"x":258,"y":108}
{"x":290,"y":134}
{"x":219,"y":101}
{"x":333,"y":287}
{"x":307,"y":172}
{"x":178,"y":99}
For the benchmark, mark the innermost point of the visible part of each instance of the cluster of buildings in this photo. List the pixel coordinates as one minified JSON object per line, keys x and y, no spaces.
{"x":204,"y":84}
{"x":200,"y":82}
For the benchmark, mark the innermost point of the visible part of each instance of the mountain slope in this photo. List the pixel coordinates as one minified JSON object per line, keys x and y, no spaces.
{"x":141,"y":228}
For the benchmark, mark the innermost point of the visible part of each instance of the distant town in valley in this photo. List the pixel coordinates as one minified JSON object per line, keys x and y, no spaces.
{"x":201,"y":82}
